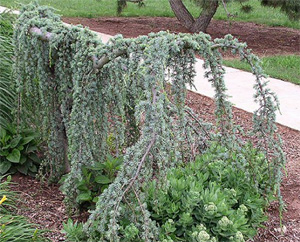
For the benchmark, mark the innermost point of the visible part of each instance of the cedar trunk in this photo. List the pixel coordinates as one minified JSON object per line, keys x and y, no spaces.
{"x":186,"y":19}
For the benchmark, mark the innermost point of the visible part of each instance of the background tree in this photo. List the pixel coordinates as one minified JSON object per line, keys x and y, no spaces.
{"x":208,"y":9}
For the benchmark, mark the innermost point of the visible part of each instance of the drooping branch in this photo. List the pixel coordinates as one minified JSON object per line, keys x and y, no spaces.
{"x":98,"y":63}
{"x":141,"y":163}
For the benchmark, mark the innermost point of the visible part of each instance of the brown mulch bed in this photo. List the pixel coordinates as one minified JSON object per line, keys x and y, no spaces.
{"x":262,"y":39}
{"x":43,"y":204}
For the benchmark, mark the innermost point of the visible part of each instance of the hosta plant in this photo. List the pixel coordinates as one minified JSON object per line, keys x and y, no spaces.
{"x":18,"y":151}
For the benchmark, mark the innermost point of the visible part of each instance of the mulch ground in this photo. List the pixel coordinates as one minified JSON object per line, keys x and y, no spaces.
{"x":262,"y":39}
{"x":43,"y":204}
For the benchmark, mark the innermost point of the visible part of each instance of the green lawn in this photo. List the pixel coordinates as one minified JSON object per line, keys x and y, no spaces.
{"x":95,"y":8}
{"x":281,"y":67}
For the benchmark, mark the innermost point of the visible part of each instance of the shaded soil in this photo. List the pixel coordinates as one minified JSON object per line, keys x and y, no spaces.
{"x":262,"y":39}
{"x":43,"y":204}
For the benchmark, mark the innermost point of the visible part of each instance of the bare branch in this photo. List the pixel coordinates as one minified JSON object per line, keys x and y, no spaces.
{"x":226,"y":10}
{"x":99,"y":63}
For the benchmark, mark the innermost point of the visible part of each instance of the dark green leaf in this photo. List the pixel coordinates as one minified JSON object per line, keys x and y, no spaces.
{"x":31,"y":148}
{"x":35,"y":158}
{"x":83,"y":187}
{"x":22,"y":169}
{"x":33,"y":168}
{"x":104,"y":187}
{"x":4,"y":167}
{"x":103,"y":180}
{"x":15,"y":141}
{"x":14,"y":156}
{"x":2,"y":133}
{"x":83,"y":197}
{"x":95,"y":199}
{"x":26,"y":140}
{"x":4,"y":153}
{"x":23,"y":160}
{"x":6,"y":147}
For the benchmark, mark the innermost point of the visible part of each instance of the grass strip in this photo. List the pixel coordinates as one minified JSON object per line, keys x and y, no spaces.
{"x":282,"y":67}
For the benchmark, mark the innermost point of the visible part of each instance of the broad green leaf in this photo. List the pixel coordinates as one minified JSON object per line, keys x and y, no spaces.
{"x":6,"y":147}
{"x":31,"y":148}
{"x":96,"y":167}
{"x":26,"y":140}
{"x":4,"y":167}
{"x":83,"y":197}
{"x":4,"y":153}
{"x":22,"y":169}
{"x":23,"y":160}
{"x":30,"y":132}
{"x":15,"y":141}
{"x":2,"y":133}
{"x":95,"y":199}
{"x":103,"y":187}
{"x":83,"y":187}
{"x":102,"y":180}
{"x":33,"y":168}
{"x":14,"y":156}
{"x":35,"y":158}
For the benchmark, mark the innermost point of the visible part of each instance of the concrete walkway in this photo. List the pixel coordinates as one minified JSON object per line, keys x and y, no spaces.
{"x":3,"y":9}
{"x":240,"y":88}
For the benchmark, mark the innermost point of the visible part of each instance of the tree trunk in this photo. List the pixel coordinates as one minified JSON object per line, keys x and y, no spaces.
{"x":186,"y":19}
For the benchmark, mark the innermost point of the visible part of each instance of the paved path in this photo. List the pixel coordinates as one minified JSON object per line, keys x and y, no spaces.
{"x":3,"y":9}
{"x":239,"y":84}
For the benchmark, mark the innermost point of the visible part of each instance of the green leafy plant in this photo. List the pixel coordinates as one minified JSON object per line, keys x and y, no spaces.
{"x":74,"y":231}
{"x":211,"y":199}
{"x":18,"y":151}
{"x":95,"y":179}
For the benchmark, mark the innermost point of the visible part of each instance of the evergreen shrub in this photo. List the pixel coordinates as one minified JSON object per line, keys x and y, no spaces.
{"x":78,"y":91}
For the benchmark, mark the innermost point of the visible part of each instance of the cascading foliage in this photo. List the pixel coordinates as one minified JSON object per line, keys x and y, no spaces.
{"x":79,"y":92}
